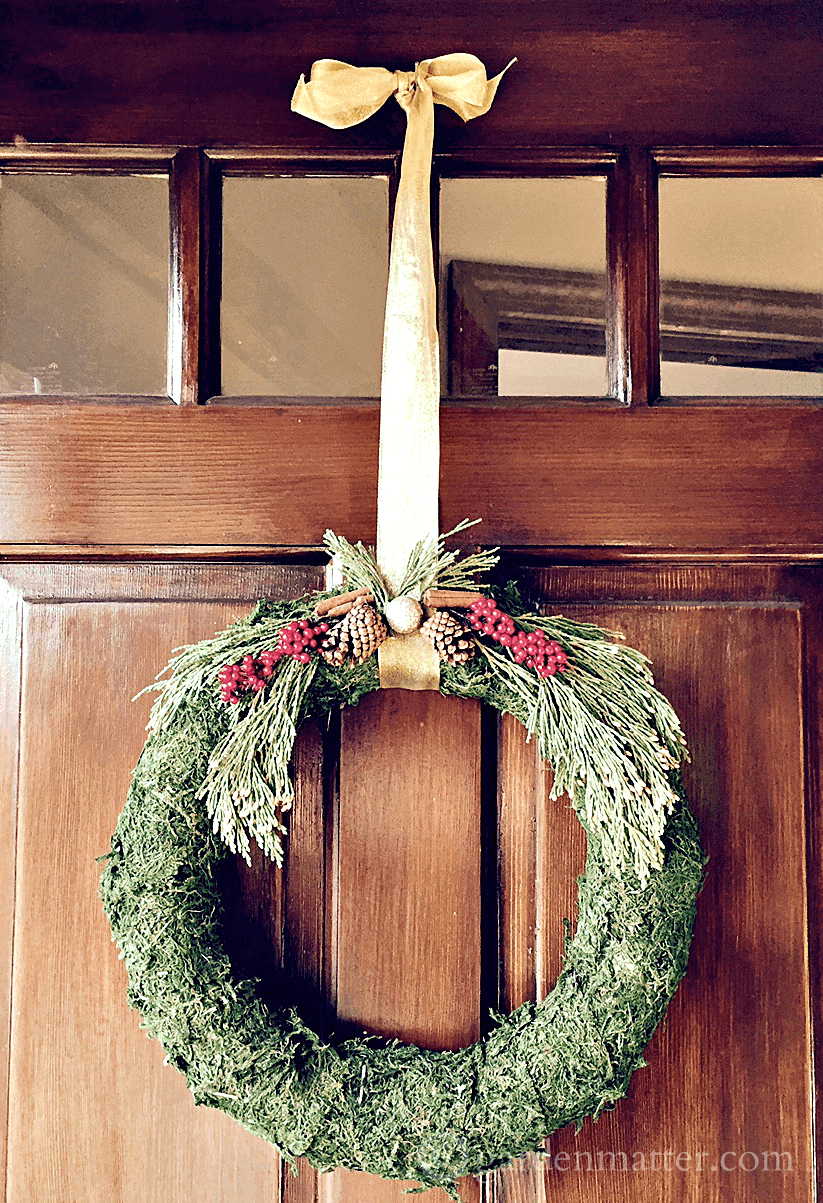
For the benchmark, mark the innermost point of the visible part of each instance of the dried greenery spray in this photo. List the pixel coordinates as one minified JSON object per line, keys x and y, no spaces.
{"x":215,"y":774}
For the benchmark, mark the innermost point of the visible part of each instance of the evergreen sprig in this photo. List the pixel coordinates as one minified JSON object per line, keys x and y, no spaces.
{"x":612,"y":739}
{"x":603,"y":741}
{"x":196,"y":666}
{"x":358,"y":565}
{"x":430,"y":564}
{"x":248,"y":785}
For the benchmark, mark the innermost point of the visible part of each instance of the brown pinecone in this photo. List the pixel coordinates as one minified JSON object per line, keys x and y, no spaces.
{"x":358,"y":634}
{"x":453,"y":640}
{"x":366,"y":630}
{"x":334,"y":647}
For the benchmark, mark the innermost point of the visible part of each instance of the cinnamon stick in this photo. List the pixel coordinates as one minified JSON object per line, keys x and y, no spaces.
{"x":331,"y":603}
{"x":455,"y":599}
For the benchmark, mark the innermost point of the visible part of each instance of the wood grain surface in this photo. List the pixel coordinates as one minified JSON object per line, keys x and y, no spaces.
{"x":408,"y":942}
{"x":129,"y":475}
{"x":94,"y":1115}
{"x":591,"y":73}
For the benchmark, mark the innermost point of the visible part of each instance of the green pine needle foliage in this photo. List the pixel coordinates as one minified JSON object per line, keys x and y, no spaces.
{"x":611,"y":738}
{"x":247,"y":786}
{"x":429,"y":564}
{"x":609,"y":735}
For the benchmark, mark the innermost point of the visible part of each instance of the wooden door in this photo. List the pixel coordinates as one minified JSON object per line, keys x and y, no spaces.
{"x":427,"y":874}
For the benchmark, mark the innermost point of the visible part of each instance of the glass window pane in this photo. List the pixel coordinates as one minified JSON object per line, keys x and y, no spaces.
{"x":523,"y":286}
{"x":305,"y":268}
{"x":84,"y":284}
{"x":741,"y":287}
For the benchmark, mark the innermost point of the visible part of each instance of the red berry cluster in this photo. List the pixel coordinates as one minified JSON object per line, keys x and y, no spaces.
{"x":249,"y":676}
{"x":535,"y":650}
{"x":485,"y":617}
{"x":298,"y":640}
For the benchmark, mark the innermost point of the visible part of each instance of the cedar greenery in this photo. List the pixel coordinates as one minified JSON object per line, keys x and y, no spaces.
{"x":610,"y":736}
{"x":213,"y":776}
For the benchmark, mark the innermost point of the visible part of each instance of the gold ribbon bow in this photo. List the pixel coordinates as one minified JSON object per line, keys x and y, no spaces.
{"x":339,"y":95}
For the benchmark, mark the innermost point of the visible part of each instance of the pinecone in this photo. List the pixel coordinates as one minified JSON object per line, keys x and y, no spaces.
{"x":334,"y":648}
{"x":366,"y":630}
{"x":453,"y":640}
{"x":358,"y":634}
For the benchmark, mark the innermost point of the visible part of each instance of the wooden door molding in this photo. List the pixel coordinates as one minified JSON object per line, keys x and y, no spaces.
{"x":150,"y":73}
{"x":217,"y":475}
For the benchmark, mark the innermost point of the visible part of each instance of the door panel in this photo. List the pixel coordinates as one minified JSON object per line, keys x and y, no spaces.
{"x":729,"y":1071}
{"x":408,"y":869}
{"x":94,"y":1114}
{"x":408,"y":905}
{"x":379,"y":917}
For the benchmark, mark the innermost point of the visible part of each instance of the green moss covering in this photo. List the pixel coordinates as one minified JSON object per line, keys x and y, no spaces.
{"x":394,"y":1110}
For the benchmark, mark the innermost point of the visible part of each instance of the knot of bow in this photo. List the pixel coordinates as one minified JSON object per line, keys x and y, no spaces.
{"x":339,"y":95}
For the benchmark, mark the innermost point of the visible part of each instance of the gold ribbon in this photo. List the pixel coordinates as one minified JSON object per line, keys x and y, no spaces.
{"x":339,"y":95}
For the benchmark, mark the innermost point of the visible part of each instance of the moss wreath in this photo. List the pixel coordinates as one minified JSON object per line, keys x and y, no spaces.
{"x":389,"y":1108}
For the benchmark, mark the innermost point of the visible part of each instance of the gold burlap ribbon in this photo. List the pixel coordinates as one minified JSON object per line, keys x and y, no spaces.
{"x":339,"y":95}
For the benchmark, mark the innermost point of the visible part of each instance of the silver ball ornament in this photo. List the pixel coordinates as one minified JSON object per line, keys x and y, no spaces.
{"x":404,"y":615}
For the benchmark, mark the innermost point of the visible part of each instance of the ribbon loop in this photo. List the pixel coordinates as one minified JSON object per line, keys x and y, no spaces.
{"x":339,"y":95}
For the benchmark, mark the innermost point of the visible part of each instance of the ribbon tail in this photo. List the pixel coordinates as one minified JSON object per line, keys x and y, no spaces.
{"x":407,"y":489}
{"x":408,"y":475}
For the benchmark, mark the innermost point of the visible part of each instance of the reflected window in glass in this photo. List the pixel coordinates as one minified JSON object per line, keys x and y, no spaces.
{"x":523,"y":286}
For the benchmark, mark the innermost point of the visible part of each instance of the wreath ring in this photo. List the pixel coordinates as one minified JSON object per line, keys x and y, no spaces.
{"x":394,"y":1109}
